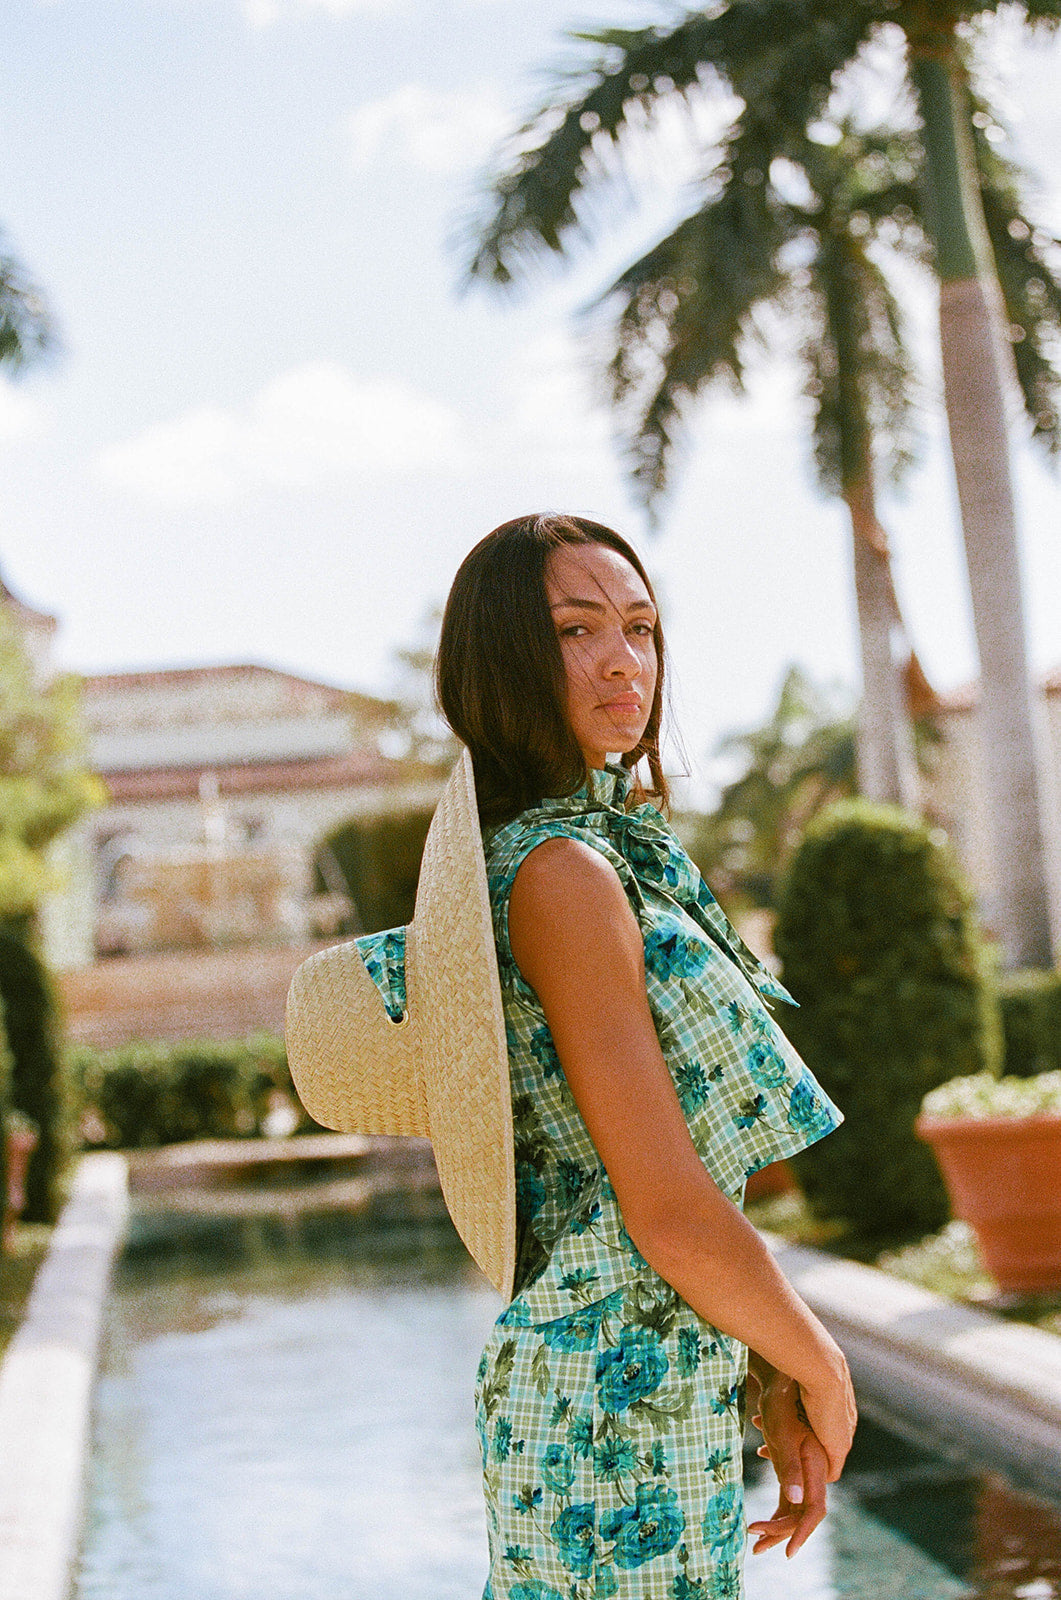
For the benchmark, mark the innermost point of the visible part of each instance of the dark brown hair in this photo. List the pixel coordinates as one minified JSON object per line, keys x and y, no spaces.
{"x":499,"y":672}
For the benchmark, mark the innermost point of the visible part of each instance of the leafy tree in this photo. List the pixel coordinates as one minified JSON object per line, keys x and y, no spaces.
{"x":25,"y":327}
{"x":691,"y":302}
{"x":43,"y":787}
{"x":800,"y":760}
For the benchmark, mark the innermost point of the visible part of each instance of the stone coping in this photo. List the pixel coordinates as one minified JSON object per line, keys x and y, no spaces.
{"x":46,"y":1383}
{"x":964,"y":1381}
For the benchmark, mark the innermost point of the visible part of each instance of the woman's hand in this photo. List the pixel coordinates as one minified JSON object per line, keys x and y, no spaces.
{"x":829,"y":1410}
{"x":798,"y":1459}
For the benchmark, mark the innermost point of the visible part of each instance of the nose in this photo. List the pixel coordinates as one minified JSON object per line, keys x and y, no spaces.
{"x":621,"y":660}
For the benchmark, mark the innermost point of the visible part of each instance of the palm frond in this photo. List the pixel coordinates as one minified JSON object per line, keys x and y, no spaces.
{"x":780,"y":56}
{"x":25,"y":327}
{"x":1028,"y":263}
{"x":684,"y":315}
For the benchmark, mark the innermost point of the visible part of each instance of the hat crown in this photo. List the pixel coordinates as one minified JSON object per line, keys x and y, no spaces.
{"x":403,"y":1033}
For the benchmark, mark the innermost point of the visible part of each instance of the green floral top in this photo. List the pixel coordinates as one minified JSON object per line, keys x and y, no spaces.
{"x":609,"y":1414}
{"x":746,"y":1094}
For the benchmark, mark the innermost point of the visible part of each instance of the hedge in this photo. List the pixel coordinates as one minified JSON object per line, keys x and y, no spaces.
{"x":39,"y":1084}
{"x":7,"y":1113}
{"x":379,"y":858}
{"x":1030,"y":1004}
{"x":142,"y":1095}
{"x":879,"y":946}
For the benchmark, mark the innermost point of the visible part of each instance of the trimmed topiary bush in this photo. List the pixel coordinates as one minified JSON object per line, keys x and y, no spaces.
{"x":142,"y":1095}
{"x":39,"y":1086}
{"x":6,"y":1112}
{"x":1030,"y":1005}
{"x":880,"y":947}
{"x":379,"y":858}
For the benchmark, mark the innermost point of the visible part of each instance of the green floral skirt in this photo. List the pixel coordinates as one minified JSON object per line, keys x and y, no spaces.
{"x":611,"y":1443}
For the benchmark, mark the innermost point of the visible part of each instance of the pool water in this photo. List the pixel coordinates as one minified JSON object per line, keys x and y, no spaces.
{"x":284,"y":1413}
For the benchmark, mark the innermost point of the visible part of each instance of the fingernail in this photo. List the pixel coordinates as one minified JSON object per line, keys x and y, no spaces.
{"x":794,"y":1495}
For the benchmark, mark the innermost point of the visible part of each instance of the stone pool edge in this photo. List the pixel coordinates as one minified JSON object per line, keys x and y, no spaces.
{"x":46,"y":1384}
{"x":963,"y":1381}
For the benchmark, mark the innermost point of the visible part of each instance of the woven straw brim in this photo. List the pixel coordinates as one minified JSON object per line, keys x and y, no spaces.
{"x":442,"y":1071}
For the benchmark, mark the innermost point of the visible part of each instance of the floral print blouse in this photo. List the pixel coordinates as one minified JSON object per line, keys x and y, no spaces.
{"x":609,"y":1413}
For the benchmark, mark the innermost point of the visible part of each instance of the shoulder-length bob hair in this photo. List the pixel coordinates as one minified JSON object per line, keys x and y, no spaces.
{"x":499,"y":672}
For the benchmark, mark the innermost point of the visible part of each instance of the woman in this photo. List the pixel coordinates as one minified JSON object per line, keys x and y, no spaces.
{"x":648,"y":1080}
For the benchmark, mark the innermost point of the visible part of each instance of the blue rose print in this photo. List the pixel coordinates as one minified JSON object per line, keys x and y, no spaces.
{"x":502,"y":1438}
{"x":766,"y":1064}
{"x":384,"y":958}
{"x":557,"y":1469}
{"x":692,"y":1087}
{"x":530,"y":1190}
{"x":806,"y":1110}
{"x":650,"y":1527}
{"x":580,"y":1433}
{"x":611,"y":1415}
{"x":572,"y":1182}
{"x":541,"y":1043}
{"x":613,"y":1458}
{"x":585,"y":1219}
{"x":578,"y":1331}
{"x":633,"y":1369}
{"x":647,"y":851}
{"x":723,"y":1524}
{"x":573,"y":1533}
{"x":688,"y":1351}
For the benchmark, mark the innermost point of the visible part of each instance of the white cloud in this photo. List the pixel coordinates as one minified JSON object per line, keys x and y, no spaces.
{"x":436,"y":130}
{"x":551,"y":417}
{"x":21,"y":416}
{"x":312,"y":425}
{"x":263,"y":13}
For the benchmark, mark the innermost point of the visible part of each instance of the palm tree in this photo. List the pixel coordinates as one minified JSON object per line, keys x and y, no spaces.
{"x":25,"y":330}
{"x":782,"y":57}
{"x":801,"y":759}
{"x":675,"y":332}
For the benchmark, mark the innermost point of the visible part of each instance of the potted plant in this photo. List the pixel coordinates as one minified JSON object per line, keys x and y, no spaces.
{"x":998,"y":1145}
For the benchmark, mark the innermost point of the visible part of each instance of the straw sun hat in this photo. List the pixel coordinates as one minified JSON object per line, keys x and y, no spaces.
{"x":404,"y":1033}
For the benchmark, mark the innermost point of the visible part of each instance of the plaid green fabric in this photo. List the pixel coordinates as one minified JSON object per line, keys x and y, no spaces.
{"x":609,"y":1413}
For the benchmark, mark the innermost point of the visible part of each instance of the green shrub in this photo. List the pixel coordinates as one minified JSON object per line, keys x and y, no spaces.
{"x":142,"y":1095}
{"x":879,"y":946}
{"x":6,"y":1113}
{"x":1030,"y":1006}
{"x":379,"y":858}
{"x":39,"y":1084}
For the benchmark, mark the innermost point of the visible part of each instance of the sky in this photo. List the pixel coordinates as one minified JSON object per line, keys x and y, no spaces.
{"x":276,"y":424}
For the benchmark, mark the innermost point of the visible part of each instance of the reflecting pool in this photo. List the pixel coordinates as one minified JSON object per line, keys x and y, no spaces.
{"x":284,"y":1413}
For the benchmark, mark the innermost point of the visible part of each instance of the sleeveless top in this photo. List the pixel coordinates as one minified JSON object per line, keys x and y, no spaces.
{"x":747,"y":1097}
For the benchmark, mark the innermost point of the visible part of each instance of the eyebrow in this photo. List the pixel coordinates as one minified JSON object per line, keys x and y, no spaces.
{"x":597,"y":605}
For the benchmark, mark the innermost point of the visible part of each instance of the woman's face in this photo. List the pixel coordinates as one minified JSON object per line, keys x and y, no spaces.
{"x":604,"y":619}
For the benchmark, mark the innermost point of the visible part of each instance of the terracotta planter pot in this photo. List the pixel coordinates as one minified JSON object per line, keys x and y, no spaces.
{"x":777,"y":1178}
{"x":20,"y":1143}
{"x":1003,"y":1175}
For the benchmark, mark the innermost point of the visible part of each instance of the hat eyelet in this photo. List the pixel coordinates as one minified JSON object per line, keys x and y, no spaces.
{"x":398,"y":1022}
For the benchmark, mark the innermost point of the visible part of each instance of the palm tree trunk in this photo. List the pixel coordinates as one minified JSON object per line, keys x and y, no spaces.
{"x":974,"y":376}
{"x":887,"y":769}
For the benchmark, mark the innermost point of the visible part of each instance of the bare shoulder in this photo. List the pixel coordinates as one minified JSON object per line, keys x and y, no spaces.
{"x":569,"y":911}
{"x":563,"y":863}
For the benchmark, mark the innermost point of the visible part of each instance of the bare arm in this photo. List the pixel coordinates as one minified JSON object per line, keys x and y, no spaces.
{"x":577,"y":943}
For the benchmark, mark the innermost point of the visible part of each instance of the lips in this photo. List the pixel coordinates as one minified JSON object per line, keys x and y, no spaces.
{"x":622,"y":702}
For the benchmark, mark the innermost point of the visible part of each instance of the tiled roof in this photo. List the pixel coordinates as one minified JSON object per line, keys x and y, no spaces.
{"x":967,"y":696}
{"x":356,"y":770}
{"x":101,"y":683}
